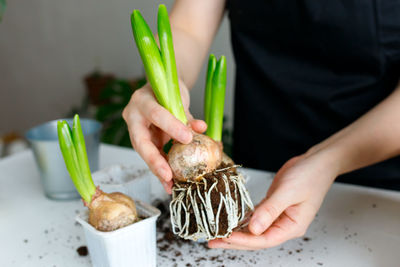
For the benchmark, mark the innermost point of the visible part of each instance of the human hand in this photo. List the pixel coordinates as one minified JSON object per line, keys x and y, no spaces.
{"x":151,"y":126}
{"x":292,"y":201}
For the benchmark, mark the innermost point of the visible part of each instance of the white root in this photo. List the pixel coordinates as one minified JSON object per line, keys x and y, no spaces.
{"x":195,"y":197}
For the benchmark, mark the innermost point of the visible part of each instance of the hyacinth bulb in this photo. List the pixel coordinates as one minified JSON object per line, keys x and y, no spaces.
{"x":191,"y":161}
{"x":108,"y":212}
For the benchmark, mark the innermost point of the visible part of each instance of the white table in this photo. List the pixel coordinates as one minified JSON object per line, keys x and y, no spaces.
{"x":356,"y":226}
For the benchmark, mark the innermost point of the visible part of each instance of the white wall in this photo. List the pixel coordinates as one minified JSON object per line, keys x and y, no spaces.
{"x":47,"y":46}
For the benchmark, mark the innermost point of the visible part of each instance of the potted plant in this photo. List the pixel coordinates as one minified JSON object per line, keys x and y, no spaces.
{"x":119,"y":231}
{"x":209,"y":197}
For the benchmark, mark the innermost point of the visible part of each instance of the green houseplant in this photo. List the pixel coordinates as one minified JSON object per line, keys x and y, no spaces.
{"x":114,"y":97}
{"x":3,"y":5}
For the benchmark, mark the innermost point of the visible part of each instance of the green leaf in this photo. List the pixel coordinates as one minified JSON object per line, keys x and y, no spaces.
{"x":168,"y":58}
{"x":216,"y":114}
{"x":83,"y":162}
{"x":151,"y":58}
{"x":71,"y":159}
{"x":212,"y":62}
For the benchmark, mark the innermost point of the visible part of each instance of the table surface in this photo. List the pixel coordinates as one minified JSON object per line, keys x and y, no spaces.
{"x":356,"y":226}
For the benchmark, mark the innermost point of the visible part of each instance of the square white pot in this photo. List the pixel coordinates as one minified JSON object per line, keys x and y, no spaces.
{"x":133,"y":245}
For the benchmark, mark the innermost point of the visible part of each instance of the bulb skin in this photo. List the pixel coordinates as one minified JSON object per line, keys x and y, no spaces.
{"x":109,"y":212}
{"x":191,"y":161}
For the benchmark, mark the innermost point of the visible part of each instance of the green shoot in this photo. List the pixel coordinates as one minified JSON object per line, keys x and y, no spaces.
{"x":212,"y":61}
{"x":216,"y":105}
{"x":72,"y":145}
{"x":151,"y":57}
{"x":160,"y":66}
{"x":168,"y":57}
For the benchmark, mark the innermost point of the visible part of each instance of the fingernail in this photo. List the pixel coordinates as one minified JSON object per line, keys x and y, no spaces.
{"x":257,"y":227}
{"x":185,"y":136}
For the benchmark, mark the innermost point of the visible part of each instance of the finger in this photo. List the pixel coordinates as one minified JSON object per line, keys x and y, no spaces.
{"x":157,"y":141}
{"x":291,"y":224}
{"x":198,"y":126}
{"x":167,"y":186}
{"x":159,"y":138}
{"x":155,"y":160}
{"x":219,"y":243}
{"x":140,"y":139}
{"x":274,"y":236}
{"x":268,"y":211}
{"x":164,"y":120}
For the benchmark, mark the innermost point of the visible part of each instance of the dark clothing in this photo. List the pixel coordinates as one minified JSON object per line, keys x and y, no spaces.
{"x":305,"y":70}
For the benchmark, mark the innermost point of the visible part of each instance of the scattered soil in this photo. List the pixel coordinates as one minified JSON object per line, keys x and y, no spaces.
{"x":82,"y":251}
{"x":172,"y":247}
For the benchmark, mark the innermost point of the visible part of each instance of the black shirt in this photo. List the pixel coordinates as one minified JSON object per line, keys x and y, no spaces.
{"x":305,"y":70}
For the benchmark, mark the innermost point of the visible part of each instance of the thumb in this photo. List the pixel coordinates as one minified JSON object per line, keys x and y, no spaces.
{"x":198,"y":126}
{"x":267,"y":212}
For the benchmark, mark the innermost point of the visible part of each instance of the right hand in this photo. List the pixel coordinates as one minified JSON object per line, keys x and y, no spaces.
{"x":151,"y":126}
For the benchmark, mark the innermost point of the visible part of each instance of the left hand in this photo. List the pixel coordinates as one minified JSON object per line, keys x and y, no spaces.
{"x":292,"y":201}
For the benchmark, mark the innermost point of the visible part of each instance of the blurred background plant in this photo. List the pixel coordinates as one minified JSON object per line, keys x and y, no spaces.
{"x":105,"y":100}
{"x":3,"y":5}
{"x":116,"y":96}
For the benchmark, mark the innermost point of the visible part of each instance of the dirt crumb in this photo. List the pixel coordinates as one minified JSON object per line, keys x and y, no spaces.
{"x":82,"y":251}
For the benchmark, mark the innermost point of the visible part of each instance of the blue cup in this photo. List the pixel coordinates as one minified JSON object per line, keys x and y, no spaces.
{"x":56,"y":181}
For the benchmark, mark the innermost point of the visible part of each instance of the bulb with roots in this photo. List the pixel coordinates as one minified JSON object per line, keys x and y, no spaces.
{"x":108,"y":212}
{"x":193,"y":160}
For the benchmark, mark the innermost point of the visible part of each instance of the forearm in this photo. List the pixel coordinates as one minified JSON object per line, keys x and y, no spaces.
{"x":372,"y":138}
{"x":194,"y":25}
{"x":189,"y":54}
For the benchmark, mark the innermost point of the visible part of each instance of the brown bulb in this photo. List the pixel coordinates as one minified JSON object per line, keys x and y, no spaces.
{"x":109,"y":212}
{"x":190,"y":161}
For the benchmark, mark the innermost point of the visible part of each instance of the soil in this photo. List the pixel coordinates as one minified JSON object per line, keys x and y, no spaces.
{"x":82,"y":251}
{"x":163,"y":226}
{"x":215,"y":197}
{"x":172,"y":247}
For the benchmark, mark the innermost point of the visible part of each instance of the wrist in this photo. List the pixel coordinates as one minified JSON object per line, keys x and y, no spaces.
{"x":329,"y":159}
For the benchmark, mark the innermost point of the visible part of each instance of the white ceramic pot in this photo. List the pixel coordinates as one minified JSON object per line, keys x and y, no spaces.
{"x":133,"y":245}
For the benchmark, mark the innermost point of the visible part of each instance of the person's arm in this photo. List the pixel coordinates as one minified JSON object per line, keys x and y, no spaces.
{"x":371,"y":139}
{"x":194,"y":24}
{"x":301,"y":184}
